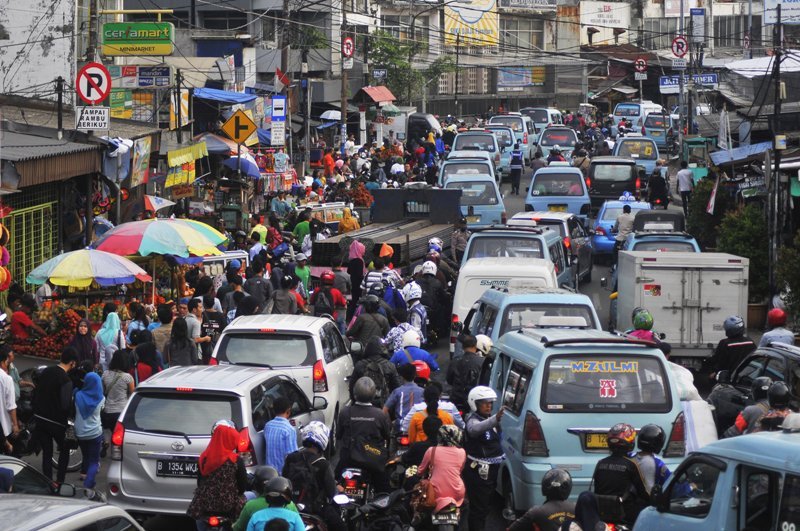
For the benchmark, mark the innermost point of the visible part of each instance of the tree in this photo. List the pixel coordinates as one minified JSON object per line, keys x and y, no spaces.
{"x":396,"y":56}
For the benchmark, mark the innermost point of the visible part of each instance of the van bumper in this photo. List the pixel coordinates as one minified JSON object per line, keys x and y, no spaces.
{"x":527,"y":483}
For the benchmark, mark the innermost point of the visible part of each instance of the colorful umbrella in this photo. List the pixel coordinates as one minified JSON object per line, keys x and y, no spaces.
{"x":80,"y":268}
{"x":176,"y":237}
{"x":155,"y":203}
{"x":248,"y":166}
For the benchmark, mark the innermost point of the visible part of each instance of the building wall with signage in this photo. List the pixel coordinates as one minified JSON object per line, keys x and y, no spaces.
{"x":37,"y":46}
{"x":605,"y":17}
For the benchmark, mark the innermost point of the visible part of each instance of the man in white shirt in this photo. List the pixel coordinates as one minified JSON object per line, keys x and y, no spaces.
{"x":350,"y":146}
{"x":685,"y":179}
{"x":194,"y":324}
{"x":8,"y":404}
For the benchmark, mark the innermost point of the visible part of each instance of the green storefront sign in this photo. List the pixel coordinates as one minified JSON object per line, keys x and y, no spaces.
{"x":138,"y":38}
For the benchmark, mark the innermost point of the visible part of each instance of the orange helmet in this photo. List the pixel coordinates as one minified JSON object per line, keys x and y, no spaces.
{"x":423,"y":371}
{"x":327,"y":278}
{"x":776,"y":317}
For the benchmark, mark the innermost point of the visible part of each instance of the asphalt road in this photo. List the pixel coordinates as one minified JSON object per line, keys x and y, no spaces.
{"x":495,"y":521}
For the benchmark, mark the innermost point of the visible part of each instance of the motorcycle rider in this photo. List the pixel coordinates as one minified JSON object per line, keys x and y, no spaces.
{"x":417,"y":313}
{"x":779,"y":397}
{"x":778,"y":333}
{"x":731,"y":350}
{"x":555,"y":156}
{"x":377,"y":366}
{"x":619,"y":476}
{"x":433,"y":295}
{"x":278,"y":495}
{"x":370,"y":323}
{"x":622,"y":227}
{"x":484,"y":453}
{"x":402,"y":399}
{"x":445,"y":461}
{"x":747,"y":419}
{"x":556,"y":509}
{"x":650,"y":440}
{"x":444,"y":405}
{"x":261,"y":477}
{"x":657,"y":189}
{"x":411,"y":352}
{"x":464,"y":371}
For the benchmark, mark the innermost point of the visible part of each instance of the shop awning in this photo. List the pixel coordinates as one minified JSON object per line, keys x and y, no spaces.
{"x":625,"y":89}
{"x":740,"y":154}
{"x":379,"y":94}
{"x":187,"y":154}
{"x":40,"y":160}
{"x":223,"y":96}
{"x":216,"y":145}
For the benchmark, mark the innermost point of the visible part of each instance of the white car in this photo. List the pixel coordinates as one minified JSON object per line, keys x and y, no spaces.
{"x":26,"y":512}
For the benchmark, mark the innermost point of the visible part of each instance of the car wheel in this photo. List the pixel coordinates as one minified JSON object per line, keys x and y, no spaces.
{"x":75,"y":459}
{"x":510,"y":512}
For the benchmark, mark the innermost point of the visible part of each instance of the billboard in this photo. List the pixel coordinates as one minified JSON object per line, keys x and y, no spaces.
{"x":471,"y":23}
{"x":539,"y":5}
{"x":672,"y":8}
{"x":604,"y":16}
{"x":513,"y":79}
{"x":138,"y":38}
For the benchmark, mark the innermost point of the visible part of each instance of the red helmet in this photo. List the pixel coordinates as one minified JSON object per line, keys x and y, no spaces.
{"x":621,"y":436}
{"x":327,"y":278}
{"x":776,"y":317}
{"x":423,"y":371}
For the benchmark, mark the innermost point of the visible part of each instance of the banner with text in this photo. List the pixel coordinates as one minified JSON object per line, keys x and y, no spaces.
{"x":604,"y":17}
{"x":471,"y":23}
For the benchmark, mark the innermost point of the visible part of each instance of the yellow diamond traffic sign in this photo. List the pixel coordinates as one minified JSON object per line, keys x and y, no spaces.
{"x":239,"y":127}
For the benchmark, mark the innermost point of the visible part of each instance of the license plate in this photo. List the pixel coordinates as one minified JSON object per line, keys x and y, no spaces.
{"x":557,"y":208}
{"x":450,"y":517}
{"x":355,"y":494}
{"x":655,"y":133}
{"x":166,"y":468}
{"x":401,"y":451}
{"x":596,"y":441}
{"x":473,"y":219}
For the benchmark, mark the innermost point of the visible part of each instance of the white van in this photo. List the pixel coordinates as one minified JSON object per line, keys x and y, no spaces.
{"x":635,"y":113}
{"x":479,"y":274}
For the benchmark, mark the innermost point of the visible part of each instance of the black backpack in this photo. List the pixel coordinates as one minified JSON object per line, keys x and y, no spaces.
{"x":299,"y":469}
{"x":373,"y":371}
{"x":323,"y":302}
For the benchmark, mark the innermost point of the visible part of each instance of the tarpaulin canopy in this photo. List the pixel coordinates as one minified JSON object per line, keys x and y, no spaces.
{"x":740,"y":154}
{"x":378,"y":94}
{"x":216,"y":145}
{"x":223,"y":96}
{"x":264,"y":136}
{"x":187,"y":154}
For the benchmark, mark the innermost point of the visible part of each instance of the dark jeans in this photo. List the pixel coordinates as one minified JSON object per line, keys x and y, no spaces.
{"x":90,"y":450}
{"x":480,"y":493}
{"x":686,"y":197}
{"x":516,"y":175}
{"x":109,"y":420}
{"x":48,"y":432}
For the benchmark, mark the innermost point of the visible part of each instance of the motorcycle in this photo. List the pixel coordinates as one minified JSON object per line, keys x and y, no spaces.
{"x":218,"y":523}
{"x":447,"y":518}
{"x":386,"y":511}
{"x":403,"y":444}
{"x":356,"y":488}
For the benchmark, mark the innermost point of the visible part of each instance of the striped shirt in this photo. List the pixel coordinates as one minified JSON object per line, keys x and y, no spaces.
{"x":280,"y":439}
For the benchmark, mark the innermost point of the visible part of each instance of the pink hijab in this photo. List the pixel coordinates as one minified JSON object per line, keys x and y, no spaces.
{"x":357,"y":250}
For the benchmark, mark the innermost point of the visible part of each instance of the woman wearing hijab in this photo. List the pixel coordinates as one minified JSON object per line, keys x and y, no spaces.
{"x":223,"y":478}
{"x":109,"y":339}
{"x":88,"y":428}
{"x":587,"y":516}
{"x":84,"y":343}
{"x":446,"y":460}
{"x":356,"y":267}
{"x":348,"y":222}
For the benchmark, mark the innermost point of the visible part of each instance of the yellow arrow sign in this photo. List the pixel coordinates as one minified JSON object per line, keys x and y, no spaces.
{"x":239,"y":127}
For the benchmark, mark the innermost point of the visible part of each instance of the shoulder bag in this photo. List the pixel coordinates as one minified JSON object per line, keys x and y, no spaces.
{"x":423,"y":498}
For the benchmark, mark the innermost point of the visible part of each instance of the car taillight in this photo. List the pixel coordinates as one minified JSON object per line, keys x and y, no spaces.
{"x":497,"y":157}
{"x":213,"y":521}
{"x":320,"y":378}
{"x":638,"y":184}
{"x":503,"y":218}
{"x":643,"y":131}
{"x":567,"y":242}
{"x":213,"y":361}
{"x":117,"y":438}
{"x":403,"y":441}
{"x":533,"y":442}
{"x":245,"y":448}
{"x":588,"y":183}
{"x":600,"y":230}
{"x":525,"y":138}
{"x":676,"y":445}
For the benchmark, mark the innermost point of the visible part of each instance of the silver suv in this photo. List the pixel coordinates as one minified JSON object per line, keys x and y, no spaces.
{"x":310,"y":349}
{"x":167,"y":424}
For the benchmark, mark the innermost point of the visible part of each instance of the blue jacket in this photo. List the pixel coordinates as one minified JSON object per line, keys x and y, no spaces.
{"x":416,"y":353}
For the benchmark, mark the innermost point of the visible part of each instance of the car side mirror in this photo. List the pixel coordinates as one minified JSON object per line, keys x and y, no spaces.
{"x":319,"y":403}
{"x":356,"y":347}
{"x":66,"y":490}
{"x":724,"y":377}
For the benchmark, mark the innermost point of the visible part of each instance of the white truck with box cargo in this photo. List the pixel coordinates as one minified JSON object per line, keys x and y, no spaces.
{"x":688,"y":294}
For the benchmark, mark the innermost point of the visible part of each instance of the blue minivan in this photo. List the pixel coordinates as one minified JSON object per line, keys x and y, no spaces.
{"x":562,"y":390}
{"x":481,"y":201}
{"x":639,"y":148}
{"x":559,"y":189}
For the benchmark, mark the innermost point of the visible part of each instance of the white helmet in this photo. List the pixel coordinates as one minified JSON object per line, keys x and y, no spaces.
{"x":484,"y":344}
{"x":316,"y":432}
{"x":429,"y":268}
{"x":479,"y":393}
{"x":436,"y":243}
{"x":414,"y":292}
{"x":556,"y":148}
{"x":411,"y":339}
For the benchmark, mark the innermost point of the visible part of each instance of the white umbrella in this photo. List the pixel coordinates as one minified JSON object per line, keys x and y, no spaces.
{"x":331,"y":115}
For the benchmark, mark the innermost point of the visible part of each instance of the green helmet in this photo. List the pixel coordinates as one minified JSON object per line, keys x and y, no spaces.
{"x":643,"y":320}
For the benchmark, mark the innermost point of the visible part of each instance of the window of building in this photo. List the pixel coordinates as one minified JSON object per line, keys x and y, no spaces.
{"x":270,"y":27}
{"x":659,"y":32}
{"x":223,"y":20}
{"x":400,"y":27}
{"x":521,"y":34}
{"x":730,"y":30}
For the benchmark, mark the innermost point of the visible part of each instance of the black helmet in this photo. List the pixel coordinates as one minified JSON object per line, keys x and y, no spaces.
{"x":779,"y":395}
{"x":734,"y":326}
{"x":377,"y":289}
{"x":760,"y":387}
{"x":556,"y":484}
{"x":651,"y":438}
{"x":279,"y":487}
{"x":262,"y":476}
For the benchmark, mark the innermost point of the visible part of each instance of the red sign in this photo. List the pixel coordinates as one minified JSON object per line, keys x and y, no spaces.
{"x":93,"y":83}
{"x":640,"y":64}
{"x":679,"y":46}
{"x":348,"y":47}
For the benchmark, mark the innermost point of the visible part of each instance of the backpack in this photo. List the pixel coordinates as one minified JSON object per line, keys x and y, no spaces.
{"x":299,"y":469}
{"x":323,"y":302}
{"x":373,"y":370}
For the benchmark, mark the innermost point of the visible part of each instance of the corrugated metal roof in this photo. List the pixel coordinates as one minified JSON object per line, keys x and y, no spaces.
{"x":18,"y":147}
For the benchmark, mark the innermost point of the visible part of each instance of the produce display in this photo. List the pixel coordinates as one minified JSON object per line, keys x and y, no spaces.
{"x":60,"y":323}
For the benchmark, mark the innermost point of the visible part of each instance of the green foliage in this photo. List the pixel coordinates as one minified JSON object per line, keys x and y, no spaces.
{"x":396,"y":56}
{"x":743,"y":232}
{"x":700,"y":224}
{"x":787,"y":273}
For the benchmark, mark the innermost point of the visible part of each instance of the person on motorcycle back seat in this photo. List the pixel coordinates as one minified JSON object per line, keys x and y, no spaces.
{"x":261,"y":477}
{"x":657,"y":190}
{"x":433,"y":295}
{"x":731,"y":350}
{"x":411,"y":352}
{"x":556,"y":510}
{"x":417,"y":313}
{"x":278,"y":494}
{"x":446,"y":460}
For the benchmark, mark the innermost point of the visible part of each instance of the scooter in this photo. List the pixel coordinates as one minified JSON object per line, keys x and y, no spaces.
{"x":386,"y":511}
{"x":218,"y":523}
{"x":447,"y":518}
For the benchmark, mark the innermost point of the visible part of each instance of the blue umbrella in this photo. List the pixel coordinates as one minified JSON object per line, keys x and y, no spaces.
{"x":249,"y":167}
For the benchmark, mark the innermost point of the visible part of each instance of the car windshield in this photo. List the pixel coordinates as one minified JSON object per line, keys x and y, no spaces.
{"x":665,"y":246}
{"x":612,"y":172}
{"x":483,"y":142}
{"x":188,"y":412}
{"x":504,"y":137}
{"x":657,"y":121}
{"x":272,"y":349}
{"x":637,"y":149}
{"x":558,"y":137}
{"x":626,"y":109}
{"x":539,"y":116}
{"x":549,"y":184}
{"x":466,"y":168}
{"x":513,"y":122}
{"x":504,"y":246}
{"x":593,"y":383}
{"x":547,"y":316}
{"x":475,"y":193}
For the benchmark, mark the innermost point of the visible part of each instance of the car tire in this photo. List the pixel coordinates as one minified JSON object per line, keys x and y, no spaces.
{"x":75,"y":459}
{"x":510,"y":512}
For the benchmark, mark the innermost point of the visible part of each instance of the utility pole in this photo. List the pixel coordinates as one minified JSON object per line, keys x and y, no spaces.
{"x":94,"y":21}
{"x":680,"y":89}
{"x":748,"y":52}
{"x":690,"y":79}
{"x":60,"y":92}
{"x":458,"y":56}
{"x":344,"y":81}
{"x":776,"y":227}
{"x":178,"y":105}
{"x":285,"y":37}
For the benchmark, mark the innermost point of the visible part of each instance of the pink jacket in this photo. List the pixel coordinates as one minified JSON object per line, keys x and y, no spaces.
{"x":446,"y":476}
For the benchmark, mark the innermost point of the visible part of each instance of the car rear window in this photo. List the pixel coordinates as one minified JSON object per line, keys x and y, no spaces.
{"x":657,"y":121}
{"x":626,"y":109}
{"x":561,"y":138}
{"x":513,"y":122}
{"x":611,"y":214}
{"x":186,"y":412}
{"x":539,"y":116}
{"x":472,"y":193}
{"x":553,"y":224}
{"x":272,"y":349}
{"x":547,"y":184}
{"x":637,"y":149}
{"x":665,"y":247}
{"x":612,"y":172}
{"x":466,"y":168}
{"x":540,"y":315}
{"x":483,"y":142}
{"x":503,"y":246}
{"x":504,"y":137}
{"x":595,"y":383}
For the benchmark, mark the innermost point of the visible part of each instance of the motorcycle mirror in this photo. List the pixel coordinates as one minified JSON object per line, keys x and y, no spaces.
{"x":3,"y":317}
{"x":341,"y":499}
